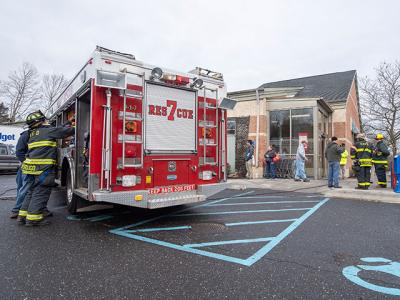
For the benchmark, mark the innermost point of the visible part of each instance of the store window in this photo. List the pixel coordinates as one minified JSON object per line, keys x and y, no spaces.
{"x":302,"y":128}
{"x":280,"y":130}
{"x":288,"y":128}
{"x":231,"y":125}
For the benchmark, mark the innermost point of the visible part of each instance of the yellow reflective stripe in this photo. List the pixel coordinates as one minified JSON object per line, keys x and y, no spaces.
{"x":364,"y":150}
{"x":365,"y":159}
{"x":382,"y":182}
{"x":380,"y":162}
{"x":34,"y":217}
{"x":353,"y":156}
{"x":40,"y":161}
{"x":42,"y":144}
{"x":23,"y":213}
{"x":31,"y":172}
{"x":364,"y":184}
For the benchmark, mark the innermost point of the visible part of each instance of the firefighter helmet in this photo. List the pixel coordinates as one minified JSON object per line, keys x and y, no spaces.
{"x":379,"y":136}
{"x":35,"y":117}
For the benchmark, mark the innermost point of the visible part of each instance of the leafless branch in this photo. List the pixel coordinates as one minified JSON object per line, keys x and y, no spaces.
{"x":52,"y":86}
{"x":20,"y":92}
{"x":380,"y":102}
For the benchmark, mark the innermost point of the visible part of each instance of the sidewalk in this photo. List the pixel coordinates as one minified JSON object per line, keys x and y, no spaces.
{"x":320,"y":186}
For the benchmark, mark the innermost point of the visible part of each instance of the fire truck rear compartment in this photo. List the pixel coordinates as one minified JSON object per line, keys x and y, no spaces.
{"x":82,"y":140}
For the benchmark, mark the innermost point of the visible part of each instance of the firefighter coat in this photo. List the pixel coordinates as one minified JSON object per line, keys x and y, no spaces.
{"x":363,"y":153}
{"x":42,"y":148}
{"x":381,"y":153}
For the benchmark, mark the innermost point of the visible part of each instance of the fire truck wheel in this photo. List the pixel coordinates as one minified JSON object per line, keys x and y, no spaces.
{"x":72,"y":199}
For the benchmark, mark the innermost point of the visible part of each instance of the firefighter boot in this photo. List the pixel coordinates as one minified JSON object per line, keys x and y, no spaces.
{"x":42,"y":222}
{"x":21,"y":220}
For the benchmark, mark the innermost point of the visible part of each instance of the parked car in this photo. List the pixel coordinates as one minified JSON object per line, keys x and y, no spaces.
{"x":8,"y":160}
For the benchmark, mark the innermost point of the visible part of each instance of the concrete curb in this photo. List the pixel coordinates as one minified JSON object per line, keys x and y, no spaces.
{"x":319,"y":187}
{"x":368,"y":195}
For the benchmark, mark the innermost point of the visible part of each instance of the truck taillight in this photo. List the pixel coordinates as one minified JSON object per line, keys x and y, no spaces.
{"x":131,"y":126}
{"x":182,"y":80}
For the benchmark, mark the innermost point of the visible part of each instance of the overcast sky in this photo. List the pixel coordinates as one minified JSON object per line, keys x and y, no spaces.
{"x":250,"y":42}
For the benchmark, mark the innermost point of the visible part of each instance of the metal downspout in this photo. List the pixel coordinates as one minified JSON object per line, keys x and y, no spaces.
{"x":258,"y":126}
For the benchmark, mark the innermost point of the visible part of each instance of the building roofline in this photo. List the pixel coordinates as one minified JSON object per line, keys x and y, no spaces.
{"x":305,"y":77}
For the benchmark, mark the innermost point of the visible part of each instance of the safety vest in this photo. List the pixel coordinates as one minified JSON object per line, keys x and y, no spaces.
{"x":381,"y":154}
{"x":343,"y":159}
{"x":363,"y":153}
{"x":42,"y":151}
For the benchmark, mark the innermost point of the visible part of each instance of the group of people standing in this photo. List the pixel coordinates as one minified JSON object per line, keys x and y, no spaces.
{"x":272,"y":157}
{"x":363,"y":154}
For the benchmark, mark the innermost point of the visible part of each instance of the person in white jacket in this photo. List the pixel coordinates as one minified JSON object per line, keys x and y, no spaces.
{"x":300,"y":163}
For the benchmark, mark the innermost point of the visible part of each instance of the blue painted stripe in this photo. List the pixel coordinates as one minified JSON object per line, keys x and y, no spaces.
{"x":239,"y":212}
{"x":159,"y":229}
{"x":177,"y":212}
{"x":262,"y":197}
{"x":266,"y":202}
{"x":259,"y":222}
{"x":182,"y":248}
{"x":267,"y":248}
{"x":229,"y":242}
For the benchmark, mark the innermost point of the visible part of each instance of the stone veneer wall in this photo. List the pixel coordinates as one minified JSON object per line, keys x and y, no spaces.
{"x":242,"y":134}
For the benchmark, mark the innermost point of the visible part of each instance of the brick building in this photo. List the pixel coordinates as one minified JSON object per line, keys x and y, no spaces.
{"x":283,"y":113}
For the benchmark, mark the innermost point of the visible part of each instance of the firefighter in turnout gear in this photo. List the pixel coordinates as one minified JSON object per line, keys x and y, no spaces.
{"x":380,"y":160}
{"x":362,"y":153}
{"x":39,"y":167}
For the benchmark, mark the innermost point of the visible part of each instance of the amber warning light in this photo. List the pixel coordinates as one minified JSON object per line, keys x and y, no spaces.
{"x":175,"y":79}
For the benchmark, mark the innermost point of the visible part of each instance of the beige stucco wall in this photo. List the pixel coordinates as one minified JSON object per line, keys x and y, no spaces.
{"x":248,"y":108}
{"x":278,"y":104}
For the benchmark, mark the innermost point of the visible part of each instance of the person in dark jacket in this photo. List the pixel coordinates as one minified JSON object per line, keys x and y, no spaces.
{"x":20,"y":151}
{"x":249,"y":159}
{"x":333,"y":154}
{"x":39,"y":167}
{"x":270,"y":168}
{"x":380,"y":160}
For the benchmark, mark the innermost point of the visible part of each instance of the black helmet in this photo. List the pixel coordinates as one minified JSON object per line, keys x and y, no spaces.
{"x":35,"y":117}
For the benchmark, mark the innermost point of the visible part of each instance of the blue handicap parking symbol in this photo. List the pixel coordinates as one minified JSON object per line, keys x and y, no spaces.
{"x":135,"y":231}
{"x":384,"y":265}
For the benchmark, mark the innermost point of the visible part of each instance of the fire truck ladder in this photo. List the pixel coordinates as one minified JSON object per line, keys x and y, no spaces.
{"x":106,"y":144}
{"x":137,"y":95}
{"x":206,"y":124}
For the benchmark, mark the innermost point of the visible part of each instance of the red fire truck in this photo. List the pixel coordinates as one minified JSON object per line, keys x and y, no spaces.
{"x":145,"y":136}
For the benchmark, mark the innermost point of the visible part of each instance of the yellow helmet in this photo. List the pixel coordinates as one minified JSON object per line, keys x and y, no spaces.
{"x":35,"y":117}
{"x":379,"y":136}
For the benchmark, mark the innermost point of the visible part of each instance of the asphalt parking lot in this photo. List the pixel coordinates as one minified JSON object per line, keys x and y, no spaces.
{"x":253,"y":244}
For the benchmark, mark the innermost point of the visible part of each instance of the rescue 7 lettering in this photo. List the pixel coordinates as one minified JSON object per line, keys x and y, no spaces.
{"x":170,"y":111}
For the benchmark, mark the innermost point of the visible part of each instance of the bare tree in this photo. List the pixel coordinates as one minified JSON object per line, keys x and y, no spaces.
{"x":380,"y":103}
{"x":20,"y":92}
{"x":52,"y":86}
